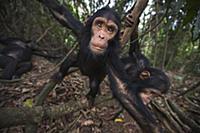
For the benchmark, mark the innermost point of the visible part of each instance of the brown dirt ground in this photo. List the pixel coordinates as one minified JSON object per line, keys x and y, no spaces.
{"x":73,"y":87}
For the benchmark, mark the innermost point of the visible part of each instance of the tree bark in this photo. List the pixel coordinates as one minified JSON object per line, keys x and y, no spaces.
{"x":138,"y":8}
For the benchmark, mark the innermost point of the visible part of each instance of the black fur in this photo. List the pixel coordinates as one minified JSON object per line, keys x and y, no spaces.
{"x":90,"y":64}
{"x":96,"y":67}
{"x":15,"y":57}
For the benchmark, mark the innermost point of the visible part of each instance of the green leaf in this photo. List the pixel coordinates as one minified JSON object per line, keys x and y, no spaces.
{"x":28,"y":103}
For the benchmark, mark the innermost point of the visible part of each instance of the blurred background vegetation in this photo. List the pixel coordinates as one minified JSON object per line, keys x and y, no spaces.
{"x":173,"y":45}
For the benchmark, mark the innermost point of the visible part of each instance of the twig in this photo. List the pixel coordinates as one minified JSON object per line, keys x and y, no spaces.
{"x":183,"y":117}
{"x":193,"y":88}
{"x":67,"y":55}
{"x":175,"y":117}
{"x":170,"y":124}
{"x":51,"y":84}
{"x":10,"y":81}
{"x":71,"y":125}
{"x":43,"y":35}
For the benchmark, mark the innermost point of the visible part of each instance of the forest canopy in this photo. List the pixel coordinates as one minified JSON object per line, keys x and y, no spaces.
{"x":175,"y":39}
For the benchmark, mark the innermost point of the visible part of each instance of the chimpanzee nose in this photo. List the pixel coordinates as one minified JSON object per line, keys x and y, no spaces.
{"x":101,"y":36}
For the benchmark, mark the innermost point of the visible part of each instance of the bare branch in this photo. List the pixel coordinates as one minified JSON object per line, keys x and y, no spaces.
{"x":139,"y":7}
{"x":43,"y":35}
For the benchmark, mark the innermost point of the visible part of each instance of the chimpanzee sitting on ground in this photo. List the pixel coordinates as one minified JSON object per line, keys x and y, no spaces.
{"x":15,"y":57}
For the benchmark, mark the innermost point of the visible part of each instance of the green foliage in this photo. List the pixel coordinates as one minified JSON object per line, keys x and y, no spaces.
{"x":192,"y":8}
{"x":173,"y":45}
{"x":196,"y":28}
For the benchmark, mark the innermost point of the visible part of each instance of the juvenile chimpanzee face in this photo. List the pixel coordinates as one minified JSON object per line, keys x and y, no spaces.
{"x":103,"y":30}
{"x":147,"y":94}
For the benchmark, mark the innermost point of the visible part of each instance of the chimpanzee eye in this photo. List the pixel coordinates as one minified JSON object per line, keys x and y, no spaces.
{"x":99,"y":24}
{"x":111,"y":29}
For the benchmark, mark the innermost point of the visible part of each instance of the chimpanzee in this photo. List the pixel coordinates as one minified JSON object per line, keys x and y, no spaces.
{"x":98,"y":38}
{"x":98,"y":56}
{"x":138,"y":67}
{"x":15,"y":57}
{"x":146,"y":82}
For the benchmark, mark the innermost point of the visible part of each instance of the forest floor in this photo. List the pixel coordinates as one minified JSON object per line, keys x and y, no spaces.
{"x":74,"y":87}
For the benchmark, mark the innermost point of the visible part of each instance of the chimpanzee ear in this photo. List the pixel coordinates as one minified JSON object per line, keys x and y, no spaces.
{"x":88,"y":21}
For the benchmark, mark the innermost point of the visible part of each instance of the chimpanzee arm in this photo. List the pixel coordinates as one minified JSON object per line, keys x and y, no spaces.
{"x":127,"y":93}
{"x":130,"y":102}
{"x":12,"y":41}
{"x":134,"y":43}
{"x":65,"y":66}
{"x":63,"y":16}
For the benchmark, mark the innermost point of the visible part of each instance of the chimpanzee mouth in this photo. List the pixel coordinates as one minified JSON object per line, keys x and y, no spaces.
{"x":96,"y":48}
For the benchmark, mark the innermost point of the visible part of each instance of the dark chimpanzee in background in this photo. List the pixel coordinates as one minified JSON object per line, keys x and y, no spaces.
{"x":15,"y":57}
{"x":98,"y":56}
{"x":144,"y":83}
{"x":138,"y":68}
{"x":148,"y":82}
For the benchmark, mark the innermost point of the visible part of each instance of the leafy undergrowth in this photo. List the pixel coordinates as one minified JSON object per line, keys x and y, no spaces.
{"x":99,"y":119}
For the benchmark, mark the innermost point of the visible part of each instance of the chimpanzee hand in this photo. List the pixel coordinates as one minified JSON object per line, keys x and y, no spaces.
{"x":129,"y":20}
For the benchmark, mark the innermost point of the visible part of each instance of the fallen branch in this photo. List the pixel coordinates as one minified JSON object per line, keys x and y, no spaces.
{"x":48,"y":88}
{"x":183,"y":117}
{"x":191,"y":89}
{"x":10,"y":81}
{"x":166,"y":119}
{"x":32,"y":128}
{"x":53,"y":69}
{"x":175,"y":117}
{"x":13,"y":116}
